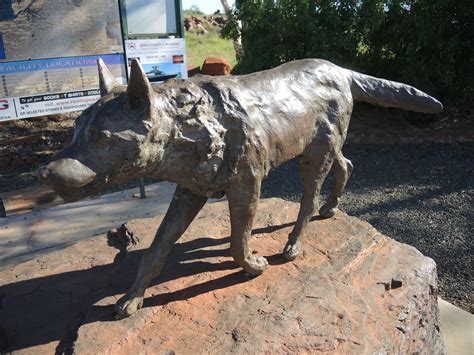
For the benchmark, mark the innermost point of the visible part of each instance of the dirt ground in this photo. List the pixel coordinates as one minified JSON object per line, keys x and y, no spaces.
{"x":39,"y":139}
{"x":413,"y":180}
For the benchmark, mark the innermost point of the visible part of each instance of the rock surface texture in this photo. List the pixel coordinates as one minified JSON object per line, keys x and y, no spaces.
{"x":352,"y":291}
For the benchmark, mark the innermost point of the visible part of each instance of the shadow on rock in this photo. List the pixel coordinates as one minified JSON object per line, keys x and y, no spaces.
{"x":52,"y":308}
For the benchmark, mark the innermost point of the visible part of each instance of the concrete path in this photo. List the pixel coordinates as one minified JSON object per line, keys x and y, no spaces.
{"x":457,"y":328}
{"x":23,"y":236}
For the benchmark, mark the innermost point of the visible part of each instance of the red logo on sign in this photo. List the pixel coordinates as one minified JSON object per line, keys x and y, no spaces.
{"x":4,"y":105}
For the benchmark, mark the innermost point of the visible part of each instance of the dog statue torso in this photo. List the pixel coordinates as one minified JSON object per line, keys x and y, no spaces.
{"x":218,"y":122}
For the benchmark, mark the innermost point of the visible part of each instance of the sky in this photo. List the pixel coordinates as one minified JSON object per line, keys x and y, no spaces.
{"x":206,"y":6}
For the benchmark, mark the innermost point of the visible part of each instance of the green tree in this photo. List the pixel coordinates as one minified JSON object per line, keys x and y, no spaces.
{"x":426,"y":43}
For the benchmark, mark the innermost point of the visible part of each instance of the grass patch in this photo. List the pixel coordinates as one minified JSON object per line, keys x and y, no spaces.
{"x":199,"y":47}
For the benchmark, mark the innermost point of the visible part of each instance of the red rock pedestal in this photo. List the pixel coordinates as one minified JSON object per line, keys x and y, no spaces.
{"x":353,"y":291}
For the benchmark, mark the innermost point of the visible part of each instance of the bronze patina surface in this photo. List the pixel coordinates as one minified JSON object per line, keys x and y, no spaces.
{"x":221,"y":135}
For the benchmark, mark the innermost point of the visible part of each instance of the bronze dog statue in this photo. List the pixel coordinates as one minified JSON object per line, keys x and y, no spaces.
{"x":221,"y":135}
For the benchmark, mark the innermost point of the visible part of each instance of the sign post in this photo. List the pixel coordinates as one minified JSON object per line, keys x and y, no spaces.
{"x":152,"y":31}
{"x":153,"y":34}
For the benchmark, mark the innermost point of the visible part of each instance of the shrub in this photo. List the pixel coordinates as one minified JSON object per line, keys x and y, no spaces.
{"x":426,"y":43}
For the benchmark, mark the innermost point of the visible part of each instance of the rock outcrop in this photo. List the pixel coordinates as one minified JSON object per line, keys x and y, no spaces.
{"x":200,"y":23}
{"x":352,"y":291}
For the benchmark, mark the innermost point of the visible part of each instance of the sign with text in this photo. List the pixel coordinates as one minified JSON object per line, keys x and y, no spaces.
{"x":53,"y":85}
{"x":49,"y":51}
{"x":29,"y":106}
{"x":162,"y":59}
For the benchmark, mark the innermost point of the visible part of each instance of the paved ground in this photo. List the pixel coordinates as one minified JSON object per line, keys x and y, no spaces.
{"x":457,"y":328}
{"x":24,"y":236}
{"x":417,"y":194}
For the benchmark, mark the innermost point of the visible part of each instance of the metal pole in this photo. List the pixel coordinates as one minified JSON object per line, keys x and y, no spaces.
{"x":142,"y":188}
{"x":3,"y":212}
{"x":124,"y":27}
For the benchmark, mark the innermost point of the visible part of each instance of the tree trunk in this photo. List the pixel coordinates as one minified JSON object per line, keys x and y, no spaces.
{"x":237,"y":41}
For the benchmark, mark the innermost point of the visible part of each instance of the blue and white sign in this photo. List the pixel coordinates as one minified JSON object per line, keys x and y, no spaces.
{"x":52,"y":85}
{"x":49,"y":50}
{"x":161,"y":58}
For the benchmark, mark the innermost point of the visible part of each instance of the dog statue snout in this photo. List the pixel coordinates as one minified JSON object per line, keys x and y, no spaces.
{"x":66,"y":173}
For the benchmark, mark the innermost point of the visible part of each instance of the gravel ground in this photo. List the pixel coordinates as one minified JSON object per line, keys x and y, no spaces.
{"x":417,"y":194}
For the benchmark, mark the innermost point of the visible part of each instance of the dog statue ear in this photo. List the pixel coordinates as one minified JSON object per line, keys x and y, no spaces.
{"x":106,"y":79}
{"x":139,"y":89}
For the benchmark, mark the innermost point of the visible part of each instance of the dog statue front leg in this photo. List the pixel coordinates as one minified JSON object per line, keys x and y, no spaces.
{"x":181,"y":212}
{"x":243,"y":200}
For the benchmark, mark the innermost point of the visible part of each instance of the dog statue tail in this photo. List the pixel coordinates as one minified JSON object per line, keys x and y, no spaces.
{"x":388,"y":93}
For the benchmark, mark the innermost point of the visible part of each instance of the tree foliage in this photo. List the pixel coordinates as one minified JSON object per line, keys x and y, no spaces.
{"x":426,"y":43}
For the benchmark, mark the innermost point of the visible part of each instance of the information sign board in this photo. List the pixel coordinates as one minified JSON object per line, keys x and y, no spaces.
{"x":161,"y":58}
{"x":49,"y":50}
{"x":52,"y":85}
{"x":38,"y":29}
